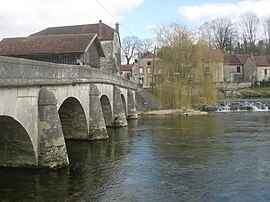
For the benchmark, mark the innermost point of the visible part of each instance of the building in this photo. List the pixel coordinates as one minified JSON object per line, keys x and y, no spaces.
{"x":257,"y":68}
{"x":147,"y":70}
{"x":126,"y":71}
{"x":246,"y":68}
{"x":234,"y":67}
{"x":84,"y":49}
{"x":108,"y":36}
{"x":215,"y":66}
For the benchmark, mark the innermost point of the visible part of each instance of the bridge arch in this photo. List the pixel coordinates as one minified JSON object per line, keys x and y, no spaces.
{"x":16,"y":148}
{"x":107,"y":110}
{"x":73,"y":119}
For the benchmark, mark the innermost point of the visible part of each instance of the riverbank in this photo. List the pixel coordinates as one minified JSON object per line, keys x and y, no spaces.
{"x":166,"y":112}
{"x":244,"y":93}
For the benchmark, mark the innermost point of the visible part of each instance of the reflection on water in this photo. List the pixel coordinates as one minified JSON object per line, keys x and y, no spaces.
{"x":218,"y":157}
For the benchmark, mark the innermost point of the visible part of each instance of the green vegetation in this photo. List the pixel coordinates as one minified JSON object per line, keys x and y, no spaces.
{"x":186,"y":80}
{"x":258,"y":92}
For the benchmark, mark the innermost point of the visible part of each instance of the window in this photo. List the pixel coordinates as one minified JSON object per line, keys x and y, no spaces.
{"x":238,"y":69}
{"x":149,"y":70}
{"x":141,"y":70}
{"x":148,"y":63}
{"x":265,"y":72}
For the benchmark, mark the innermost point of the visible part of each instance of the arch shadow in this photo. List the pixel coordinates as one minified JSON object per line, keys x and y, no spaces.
{"x":107,"y":110}
{"x":124,"y":104}
{"x":16,"y":148}
{"x":73,"y":119}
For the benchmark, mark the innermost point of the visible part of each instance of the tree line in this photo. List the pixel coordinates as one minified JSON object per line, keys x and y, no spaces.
{"x":250,"y":34}
{"x":188,"y":55}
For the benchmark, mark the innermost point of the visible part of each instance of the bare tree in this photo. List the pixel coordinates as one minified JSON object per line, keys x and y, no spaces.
{"x":266,"y":26}
{"x":146,"y":46}
{"x":219,"y":33}
{"x":130,"y":46}
{"x":207,"y":33}
{"x":251,"y":30}
{"x":224,"y":34}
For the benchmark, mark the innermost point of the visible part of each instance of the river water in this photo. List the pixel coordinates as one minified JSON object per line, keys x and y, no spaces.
{"x":215,"y":157}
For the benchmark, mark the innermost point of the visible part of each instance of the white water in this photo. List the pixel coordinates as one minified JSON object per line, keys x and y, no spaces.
{"x":243,"y":105}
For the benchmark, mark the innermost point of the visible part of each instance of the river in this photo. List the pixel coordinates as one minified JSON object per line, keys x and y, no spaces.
{"x":215,"y":157}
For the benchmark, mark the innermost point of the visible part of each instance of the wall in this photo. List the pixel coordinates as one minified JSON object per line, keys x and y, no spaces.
{"x":112,"y":60}
{"x":23,"y":72}
{"x":249,"y":71}
{"x":261,"y":73}
{"x":230,"y":71}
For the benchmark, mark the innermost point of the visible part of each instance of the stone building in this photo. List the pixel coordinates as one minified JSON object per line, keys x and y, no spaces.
{"x":215,"y":66}
{"x":257,"y":68}
{"x":234,"y":67}
{"x":84,"y":49}
{"x":108,"y":36}
{"x":246,"y":68}
{"x":147,"y":70}
{"x":126,"y":71}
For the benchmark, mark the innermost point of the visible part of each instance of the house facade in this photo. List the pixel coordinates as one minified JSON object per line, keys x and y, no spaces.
{"x":126,"y":71}
{"x":215,"y":66}
{"x":108,"y":36}
{"x":84,"y":49}
{"x":234,"y":67}
{"x":147,"y":70}
{"x":246,"y":68}
{"x":257,"y":68}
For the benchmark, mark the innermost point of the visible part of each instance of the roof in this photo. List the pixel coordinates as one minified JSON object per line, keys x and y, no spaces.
{"x":48,"y":44}
{"x":240,"y":59}
{"x":126,"y":68}
{"x":262,"y":60}
{"x":107,"y":31}
{"x":150,"y":55}
{"x":216,"y":55}
{"x":236,"y":59}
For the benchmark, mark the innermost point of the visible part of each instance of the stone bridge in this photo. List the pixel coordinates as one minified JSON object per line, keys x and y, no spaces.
{"x":42,"y":104}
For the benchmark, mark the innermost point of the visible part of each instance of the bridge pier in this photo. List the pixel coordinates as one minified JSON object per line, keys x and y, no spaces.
{"x":132,"y":111}
{"x":119,"y":116}
{"x":97,"y":125}
{"x":52,"y":152}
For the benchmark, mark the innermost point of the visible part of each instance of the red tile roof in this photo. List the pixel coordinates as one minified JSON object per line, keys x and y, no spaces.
{"x":240,"y":59}
{"x":236,"y":59}
{"x":262,"y":60}
{"x":107,"y":31}
{"x":46,"y":44}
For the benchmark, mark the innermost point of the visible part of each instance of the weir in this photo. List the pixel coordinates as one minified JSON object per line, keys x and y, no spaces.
{"x":243,"y":105}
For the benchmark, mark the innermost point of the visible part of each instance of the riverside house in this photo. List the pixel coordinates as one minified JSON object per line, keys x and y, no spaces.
{"x":246,"y":68}
{"x":69,"y":47}
{"x":84,"y":49}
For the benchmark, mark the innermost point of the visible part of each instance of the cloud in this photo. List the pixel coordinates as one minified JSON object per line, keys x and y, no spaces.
{"x":207,"y":11}
{"x":21,"y":18}
{"x":151,"y":27}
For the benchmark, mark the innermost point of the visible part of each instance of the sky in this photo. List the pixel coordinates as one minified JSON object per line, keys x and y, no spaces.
{"x":20,"y":18}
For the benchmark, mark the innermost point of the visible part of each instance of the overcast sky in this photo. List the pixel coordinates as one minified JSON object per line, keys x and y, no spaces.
{"x":136,"y":17}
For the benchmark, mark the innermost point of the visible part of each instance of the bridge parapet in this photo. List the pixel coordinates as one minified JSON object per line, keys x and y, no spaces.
{"x":17,"y":72}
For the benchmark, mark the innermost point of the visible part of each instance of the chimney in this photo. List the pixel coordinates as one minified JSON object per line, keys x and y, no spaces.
{"x":100,"y":29}
{"x":117,"y":27}
{"x":251,"y":56}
